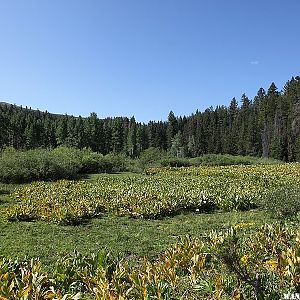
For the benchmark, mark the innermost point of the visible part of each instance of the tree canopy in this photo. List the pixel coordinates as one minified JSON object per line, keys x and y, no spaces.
{"x":268,"y":125}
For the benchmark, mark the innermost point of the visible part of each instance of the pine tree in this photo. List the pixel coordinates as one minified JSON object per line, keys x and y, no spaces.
{"x":177,"y":147}
{"x":142,"y":138}
{"x":61,"y":132}
{"x":132,"y":138}
{"x":172,"y":128}
{"x":117,"y":135}
{"x":243,"y":123}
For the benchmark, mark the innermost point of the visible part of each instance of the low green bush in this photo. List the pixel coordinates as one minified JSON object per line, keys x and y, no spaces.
{"x":150,"y":158}
{"x":59,"y":163}
{"x":91,"y":161}
{"x":39,"y":164}
{"x":226,"y":160}
{"x":175,"y":162}
{"x":283,"y":203}
{"x":113,"y":163}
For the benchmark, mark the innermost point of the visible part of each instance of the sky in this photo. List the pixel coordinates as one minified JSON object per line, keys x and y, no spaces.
{"x":144,"y":58}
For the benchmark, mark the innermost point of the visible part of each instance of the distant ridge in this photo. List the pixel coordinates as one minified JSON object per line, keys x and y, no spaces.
{"x":6,"y":104}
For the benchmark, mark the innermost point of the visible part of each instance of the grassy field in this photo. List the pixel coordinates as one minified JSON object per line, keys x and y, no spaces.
{"x":123,"y":235}
{"x":162,"y":243}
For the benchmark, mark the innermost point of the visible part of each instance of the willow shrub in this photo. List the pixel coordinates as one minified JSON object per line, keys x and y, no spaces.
{"x":39,"y":164}
{"x":59,"y":163}
{"x":283,"y":203}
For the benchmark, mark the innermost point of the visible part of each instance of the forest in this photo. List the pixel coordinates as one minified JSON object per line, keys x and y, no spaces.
{"x":267,"y":125}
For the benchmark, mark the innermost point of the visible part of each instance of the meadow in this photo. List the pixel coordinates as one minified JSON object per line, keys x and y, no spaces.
{"x":199,"y":232}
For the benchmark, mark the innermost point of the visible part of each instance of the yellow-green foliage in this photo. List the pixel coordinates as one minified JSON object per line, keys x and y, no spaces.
{"x":163,"y":192}
{"x":26,"y":280}
{"x":238,"y":263}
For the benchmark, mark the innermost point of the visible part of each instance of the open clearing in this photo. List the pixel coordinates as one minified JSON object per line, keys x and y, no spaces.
{"x":134,"y":216}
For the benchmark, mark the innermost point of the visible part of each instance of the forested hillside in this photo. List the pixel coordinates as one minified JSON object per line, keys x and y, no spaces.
{"x":268,"y":125}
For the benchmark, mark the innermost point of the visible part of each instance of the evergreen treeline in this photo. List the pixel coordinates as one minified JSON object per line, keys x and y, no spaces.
{"x":268,"y":125}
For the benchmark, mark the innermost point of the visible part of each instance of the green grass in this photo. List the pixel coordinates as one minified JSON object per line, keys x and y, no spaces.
{"x":130,"y":238}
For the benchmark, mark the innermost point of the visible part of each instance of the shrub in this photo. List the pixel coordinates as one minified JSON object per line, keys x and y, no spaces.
{"x":151,"y":158}
{"x":66,"y":162}
{"x":60,"y":163}
{"x":91,"y":161}
{"x":115,"y":163}
{"x":39,"y":164}
{"x":226,"y":160}
{"x":175,"y":162}
{"x":283,"y":203}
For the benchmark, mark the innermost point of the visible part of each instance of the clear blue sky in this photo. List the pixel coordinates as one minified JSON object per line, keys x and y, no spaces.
{"x":144,"y":57}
